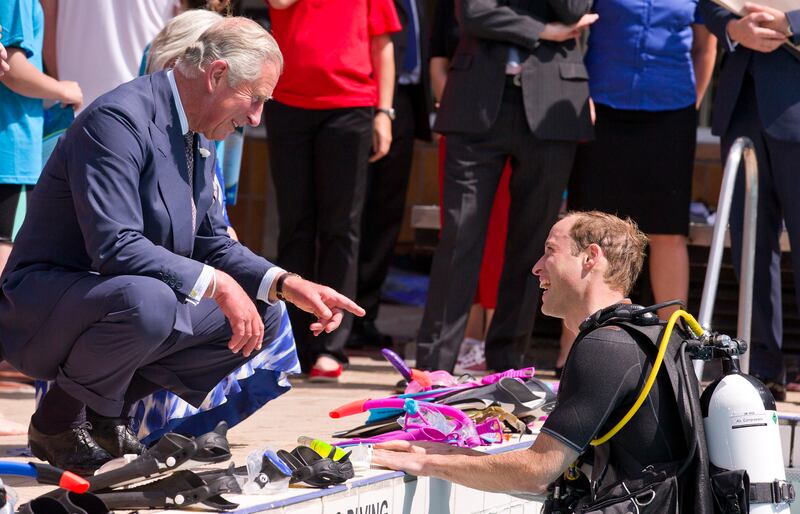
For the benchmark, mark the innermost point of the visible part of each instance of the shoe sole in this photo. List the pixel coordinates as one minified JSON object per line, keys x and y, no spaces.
{"x":323,"y":379}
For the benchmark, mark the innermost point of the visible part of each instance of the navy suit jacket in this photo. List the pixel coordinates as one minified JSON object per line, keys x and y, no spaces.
{"x":114,"y":200}
{"x":776,"y":77}
{"x":420,"y":101}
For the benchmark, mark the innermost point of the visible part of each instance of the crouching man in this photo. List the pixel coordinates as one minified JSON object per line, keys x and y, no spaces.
{"x":590,"y":262}
{"x":123,"y":279}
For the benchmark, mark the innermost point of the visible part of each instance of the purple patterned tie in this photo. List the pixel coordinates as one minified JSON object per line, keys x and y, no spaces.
{"x":189,"y":139}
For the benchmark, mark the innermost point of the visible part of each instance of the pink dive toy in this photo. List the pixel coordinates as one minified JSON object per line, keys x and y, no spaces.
{"x":425,"y":380}
{"x":458,"y":430}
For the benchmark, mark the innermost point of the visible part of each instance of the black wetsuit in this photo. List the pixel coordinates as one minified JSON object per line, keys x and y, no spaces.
{"x":602,"y":378}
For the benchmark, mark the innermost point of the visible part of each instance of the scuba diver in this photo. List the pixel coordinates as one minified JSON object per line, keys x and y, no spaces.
{"x":658,"y":459}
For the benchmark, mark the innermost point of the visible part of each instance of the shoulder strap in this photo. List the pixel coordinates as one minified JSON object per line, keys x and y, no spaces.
{"x":686,"y":390}
{"x":650,"y":337}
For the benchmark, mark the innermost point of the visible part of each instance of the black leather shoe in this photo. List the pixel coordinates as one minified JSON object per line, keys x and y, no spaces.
{"x":74,"y":450}
{"x":115,"y":436}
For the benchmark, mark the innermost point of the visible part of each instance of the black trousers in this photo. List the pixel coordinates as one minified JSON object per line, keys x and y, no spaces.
{"x":318,"y":162}
{"x":111,"y":335}
{"x":384,"y":206}
{"x":778,"y":183}
{"x":473,"y":166}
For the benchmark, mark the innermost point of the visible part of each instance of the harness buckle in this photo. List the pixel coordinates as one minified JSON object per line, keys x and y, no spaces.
{"x":782,"y":492}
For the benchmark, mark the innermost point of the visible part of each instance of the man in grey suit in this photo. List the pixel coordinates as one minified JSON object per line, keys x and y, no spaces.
{"x":759,"y":97}
{"x":123,"y":280}
{"x":517,"y":89}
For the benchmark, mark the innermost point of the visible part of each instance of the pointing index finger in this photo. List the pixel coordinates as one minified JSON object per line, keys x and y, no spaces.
{"x":349,"y":305}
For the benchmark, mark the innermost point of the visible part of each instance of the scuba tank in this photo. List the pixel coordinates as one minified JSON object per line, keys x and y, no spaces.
{"x":739,"y":437}
{"x":742,"y":433}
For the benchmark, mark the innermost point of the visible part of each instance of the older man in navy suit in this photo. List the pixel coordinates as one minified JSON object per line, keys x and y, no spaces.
{"x":123,"y":280}
{"x":759,"y":97}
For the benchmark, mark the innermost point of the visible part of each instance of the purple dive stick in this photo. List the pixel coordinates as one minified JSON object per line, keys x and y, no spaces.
{"x":398,"y":363}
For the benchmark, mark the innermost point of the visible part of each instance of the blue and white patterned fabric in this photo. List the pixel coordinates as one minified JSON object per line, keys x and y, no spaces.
{"x":235,"y":398}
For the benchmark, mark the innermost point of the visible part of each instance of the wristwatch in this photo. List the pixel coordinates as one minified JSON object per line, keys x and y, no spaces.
{"x":388,"y":112}
{"x":279,"y":284}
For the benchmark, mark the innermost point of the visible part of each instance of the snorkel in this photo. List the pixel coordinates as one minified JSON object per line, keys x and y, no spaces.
{"x":46,"y":474}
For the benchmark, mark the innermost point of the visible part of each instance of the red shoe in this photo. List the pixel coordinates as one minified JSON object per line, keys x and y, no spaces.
{"x":318,"y":375}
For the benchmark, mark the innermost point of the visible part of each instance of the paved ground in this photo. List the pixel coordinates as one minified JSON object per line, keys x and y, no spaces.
{"x":302,"y":411}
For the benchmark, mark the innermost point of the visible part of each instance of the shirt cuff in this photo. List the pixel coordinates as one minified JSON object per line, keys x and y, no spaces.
{"x":266,"y":284}
{"x":731,"y":43}
{"x":199,"y":288}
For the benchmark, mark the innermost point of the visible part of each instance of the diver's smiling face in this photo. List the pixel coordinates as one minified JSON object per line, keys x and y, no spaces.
{"x":560,"y":271}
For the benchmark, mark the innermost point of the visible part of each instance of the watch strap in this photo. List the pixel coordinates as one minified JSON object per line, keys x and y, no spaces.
{"x":279,"y":284}
{"x":388,"y":112}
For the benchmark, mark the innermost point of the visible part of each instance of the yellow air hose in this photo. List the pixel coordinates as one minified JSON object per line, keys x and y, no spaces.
{"x":662,"y":349}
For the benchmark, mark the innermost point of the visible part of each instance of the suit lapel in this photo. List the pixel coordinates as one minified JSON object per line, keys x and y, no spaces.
{"x":171,"y":170}
{"x":203,"y":177}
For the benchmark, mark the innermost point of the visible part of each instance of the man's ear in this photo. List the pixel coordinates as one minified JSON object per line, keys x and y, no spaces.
{"x":217,"y":72}
{"x":592,"y":256}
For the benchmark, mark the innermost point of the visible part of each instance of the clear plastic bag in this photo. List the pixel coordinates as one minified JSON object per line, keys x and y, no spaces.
{"x":8,"y":499}
{"x":266,"y":473}
{"x":361,"y":457}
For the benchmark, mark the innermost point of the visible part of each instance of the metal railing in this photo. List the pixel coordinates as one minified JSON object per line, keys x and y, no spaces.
{"x":742,"y":148}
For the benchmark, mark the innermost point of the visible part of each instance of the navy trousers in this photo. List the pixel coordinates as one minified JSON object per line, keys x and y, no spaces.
{"x":778,"y":183}
{"x":111,"y":334}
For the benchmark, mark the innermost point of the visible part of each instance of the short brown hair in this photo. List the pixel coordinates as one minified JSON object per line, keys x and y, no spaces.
{"x":621,"y":240}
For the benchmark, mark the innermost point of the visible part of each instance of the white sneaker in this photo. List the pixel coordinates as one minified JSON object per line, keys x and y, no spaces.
{"x":471,"y":356}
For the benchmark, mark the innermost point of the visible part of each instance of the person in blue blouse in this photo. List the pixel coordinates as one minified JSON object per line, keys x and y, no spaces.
{"x":649,"y":62}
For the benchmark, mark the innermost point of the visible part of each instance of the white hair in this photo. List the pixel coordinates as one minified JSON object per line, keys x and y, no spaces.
{"x":241,"y":42}
{"x":181,"y":32}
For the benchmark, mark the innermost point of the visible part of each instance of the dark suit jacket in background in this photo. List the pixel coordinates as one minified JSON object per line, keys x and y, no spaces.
{"x":114,"y":200}
{"x":776,"y":78}
{"x":421,"y":99}
{"x":554,"y":79}
{"x":758,"y":96}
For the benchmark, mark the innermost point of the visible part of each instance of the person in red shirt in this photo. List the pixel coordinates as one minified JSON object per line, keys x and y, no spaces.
{"x":331,"y":115}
